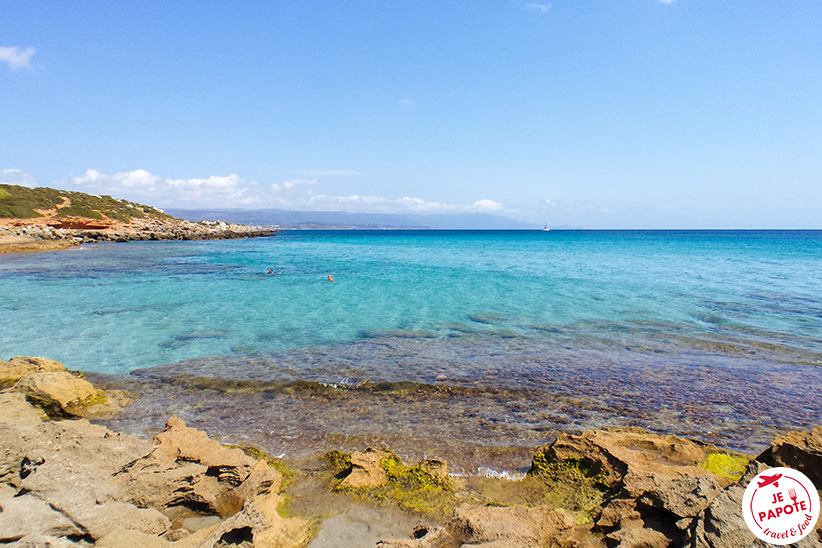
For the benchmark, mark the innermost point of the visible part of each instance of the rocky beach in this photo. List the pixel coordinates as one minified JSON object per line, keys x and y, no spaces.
{"x":16,"y":238}
{"x":67,"y":481}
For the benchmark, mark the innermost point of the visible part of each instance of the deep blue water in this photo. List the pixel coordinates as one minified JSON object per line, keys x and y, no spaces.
{"x":500,"y":309}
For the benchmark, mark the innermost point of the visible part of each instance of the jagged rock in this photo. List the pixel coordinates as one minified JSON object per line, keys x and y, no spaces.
{"x":798,"y":450}
{"x":180,"y":442}
{"x":61,"y":232}
{"x":721,"y":524}
{"x":58,"y":393}
{"x":660,"y":486}
{"x":71,"y":466}
{"x":85,"y":481}
{"x":18,"y":367}
{"x":186,"y":468}
{"x":366,"y":471}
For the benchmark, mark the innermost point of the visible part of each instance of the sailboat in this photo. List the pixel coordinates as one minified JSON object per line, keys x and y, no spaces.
{"x":545,"y":228}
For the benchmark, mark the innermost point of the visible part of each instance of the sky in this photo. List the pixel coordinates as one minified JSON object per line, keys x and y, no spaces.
{"x":594,"y":114}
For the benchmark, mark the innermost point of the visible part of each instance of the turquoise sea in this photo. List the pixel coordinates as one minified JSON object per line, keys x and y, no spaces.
{"x":493,"y":338}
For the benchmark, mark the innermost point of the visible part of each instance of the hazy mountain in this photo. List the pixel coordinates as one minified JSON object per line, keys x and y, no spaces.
{"x":340,"y":219}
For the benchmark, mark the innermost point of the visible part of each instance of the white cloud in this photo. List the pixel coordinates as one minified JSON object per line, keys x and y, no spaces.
{"x":296,"y":182}
{"x":140,"y":185}
{"x":419,"y":205}
{"x":487,"y":205}
{"x":139,"y":178}
{"x":16,"y":57}
{"x":228,"y":191}
{"x":406,"y":103}
{"x":535,"y":6}
{"x":17,"y":177}
{"x":666,"y":1}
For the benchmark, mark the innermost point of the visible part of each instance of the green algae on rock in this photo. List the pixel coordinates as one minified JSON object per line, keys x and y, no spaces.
{"x":726,"y":464}
{"x":424,"y":488}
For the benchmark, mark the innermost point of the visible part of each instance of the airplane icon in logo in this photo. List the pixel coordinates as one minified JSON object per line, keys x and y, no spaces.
{"x":764,"y":480}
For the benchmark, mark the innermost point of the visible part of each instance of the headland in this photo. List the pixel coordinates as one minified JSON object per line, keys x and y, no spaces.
{"x":45,"y":219}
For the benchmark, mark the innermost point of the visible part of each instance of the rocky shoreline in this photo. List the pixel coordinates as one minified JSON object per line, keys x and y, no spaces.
{"x":25,"y":236}
{"x":66,"y":482}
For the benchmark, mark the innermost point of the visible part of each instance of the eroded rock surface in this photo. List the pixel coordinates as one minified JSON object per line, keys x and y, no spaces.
{"x":493,"y":527}
{"x":71,"y":480}
{"x":657,"y":482}
{"x":721,"y":524}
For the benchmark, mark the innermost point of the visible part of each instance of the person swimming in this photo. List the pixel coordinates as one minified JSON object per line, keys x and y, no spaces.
{"x":330,"y":279}
{"x":271,"y":271}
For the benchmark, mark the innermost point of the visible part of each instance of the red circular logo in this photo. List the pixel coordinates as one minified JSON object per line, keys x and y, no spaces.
{"x":781,"y":506}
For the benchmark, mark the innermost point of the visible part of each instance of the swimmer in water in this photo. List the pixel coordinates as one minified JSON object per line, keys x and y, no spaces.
{"x":271,"y":271}
{"x":330,"y":279}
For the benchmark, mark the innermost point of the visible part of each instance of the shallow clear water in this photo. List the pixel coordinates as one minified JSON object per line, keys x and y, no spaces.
{"x":115,"y":307}
{"x":611,"y":316}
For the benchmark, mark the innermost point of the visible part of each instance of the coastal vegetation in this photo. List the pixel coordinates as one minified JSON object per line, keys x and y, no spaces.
{"x":19,"y":202}
{"x":41,"y":219}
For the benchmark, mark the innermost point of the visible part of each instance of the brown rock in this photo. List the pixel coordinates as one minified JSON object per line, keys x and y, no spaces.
{"x":14,"y":409}
{"x":44,"y":541}
{"x":721,"y":524}
{"x":660,"y":486}
{"x":492,"y":527}
{"x":366,"y":471}
{"x":28,"y":515}
{"x":798,"y":450}
{"x":516,"y":526}
{"x":123,"y":537}
{"x":58,"y":393}
{"x":182,"y":443}
{"x":18,"y":367}
{"x":437,"y":469}
{"x":75,"y":479}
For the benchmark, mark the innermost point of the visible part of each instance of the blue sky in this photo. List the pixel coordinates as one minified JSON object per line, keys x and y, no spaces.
{"x":600,"y":114}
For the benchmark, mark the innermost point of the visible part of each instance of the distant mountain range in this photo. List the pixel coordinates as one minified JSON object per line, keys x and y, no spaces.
{"x":340,"y":219}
